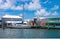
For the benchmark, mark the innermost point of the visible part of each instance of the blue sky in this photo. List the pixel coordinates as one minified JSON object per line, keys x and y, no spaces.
{"x":32,"y":8}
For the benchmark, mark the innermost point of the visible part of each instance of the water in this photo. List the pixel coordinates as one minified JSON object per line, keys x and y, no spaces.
{"x":29,"y":33}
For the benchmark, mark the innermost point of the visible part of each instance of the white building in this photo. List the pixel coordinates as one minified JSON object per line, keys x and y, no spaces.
{"x":11,"y":20}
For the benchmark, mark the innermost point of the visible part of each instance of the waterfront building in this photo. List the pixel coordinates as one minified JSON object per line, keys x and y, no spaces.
{"x":50,"y":22}
{"x":53,"y":21}
{"x":11,"y":20}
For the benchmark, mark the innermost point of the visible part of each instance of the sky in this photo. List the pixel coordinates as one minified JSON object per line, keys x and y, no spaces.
{"x":32,"y":8}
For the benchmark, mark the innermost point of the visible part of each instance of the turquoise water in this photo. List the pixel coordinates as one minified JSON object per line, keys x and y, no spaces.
{"x":29,"y":33}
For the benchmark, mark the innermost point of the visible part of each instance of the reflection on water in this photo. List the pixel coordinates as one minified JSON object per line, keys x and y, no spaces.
{"x":29,"y":33}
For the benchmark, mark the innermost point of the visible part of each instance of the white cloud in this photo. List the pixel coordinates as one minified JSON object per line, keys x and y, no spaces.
{"x":55,"y":13}
{"x":21,"y":14}
{"x":6,"y":5}
{"x":35,"y":1}
{"x":1,"y":1}
{"x":17,"y":7}
{"x":55,"y":7}
{"x":42,"y":12}
{"x":46,"y":2}
{"x":23,"y":0}
{"x":47,"y":14}
{"x":10,"y":4}
{"x":34,"y":5}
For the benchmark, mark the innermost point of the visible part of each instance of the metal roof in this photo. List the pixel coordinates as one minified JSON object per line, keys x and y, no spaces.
{"x":11,"y":16}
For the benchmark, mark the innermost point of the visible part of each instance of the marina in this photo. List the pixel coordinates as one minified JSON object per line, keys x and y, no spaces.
{"x":9,"y":21}
{"x":29,"y":19}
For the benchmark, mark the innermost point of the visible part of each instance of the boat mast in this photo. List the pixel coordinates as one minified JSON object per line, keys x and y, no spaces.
{"x":23,"y":7}
{"x":23,"y":12}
